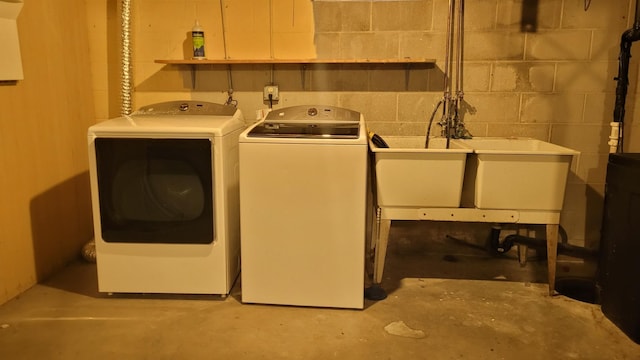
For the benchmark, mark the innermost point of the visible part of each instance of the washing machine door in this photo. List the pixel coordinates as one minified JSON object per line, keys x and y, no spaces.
{"x":155,"y":190}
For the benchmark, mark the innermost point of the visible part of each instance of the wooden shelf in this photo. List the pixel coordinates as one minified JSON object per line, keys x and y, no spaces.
{"x":193,"y":64}
{"x":297,"y":61}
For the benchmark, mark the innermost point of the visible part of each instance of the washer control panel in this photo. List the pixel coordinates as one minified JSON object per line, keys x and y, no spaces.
{"x":313,"y":113}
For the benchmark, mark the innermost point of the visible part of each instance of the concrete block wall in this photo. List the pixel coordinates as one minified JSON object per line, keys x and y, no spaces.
{"x":555,"y":84}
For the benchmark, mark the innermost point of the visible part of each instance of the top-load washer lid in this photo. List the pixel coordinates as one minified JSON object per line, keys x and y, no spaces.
{"x":188,"y":107}
{"x":309,"y":121}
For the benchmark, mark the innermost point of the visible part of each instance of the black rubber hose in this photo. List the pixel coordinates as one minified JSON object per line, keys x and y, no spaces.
{"x":494,"y":241}
{"x":433,"y":114}
{"x":541,"y":244}
{"x":378,"y":141}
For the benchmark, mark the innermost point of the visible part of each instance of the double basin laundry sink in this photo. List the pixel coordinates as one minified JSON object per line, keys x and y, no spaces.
{"x":483,"y":172}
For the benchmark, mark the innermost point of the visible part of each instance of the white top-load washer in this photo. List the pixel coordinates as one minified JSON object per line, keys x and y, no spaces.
{"x":303,"y":173}
{"x":164,"y":184}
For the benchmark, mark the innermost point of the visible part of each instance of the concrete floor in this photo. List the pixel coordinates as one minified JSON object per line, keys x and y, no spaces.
{"x":446,"y":301}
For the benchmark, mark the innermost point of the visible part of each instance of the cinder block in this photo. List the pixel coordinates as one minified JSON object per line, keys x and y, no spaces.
{"x":379,"y":45}
{"x":419,"y":78}
{"x":374,"y":106}
{"x":169,"y":80}
{"x":333,"y":77}
{"x":492,"y":107}
{"x":511,"y":129}
{"x":584,"y":204}
{"x":592,"y":168}
{"x":552,"y":108}
{"x":581,"y":137}
{"x":480,"y":15}
{"x":575,"y":198}
{"x":327,"y":45}
{"x":541,"y":77}
{"x":291,"y":78}
{"x":476,"y":76}
{"x":436,"y":77}
{"x":585,"y":76}
{"x":606,"y":45}
{"x":399,"y":77}
{"x":522,"y":77}
{"x":601,"y":15}
{"x":510,"y":15}
{"x":342,"y":16}
{"x":476,"y":128}
{"x":147,"y":98}
{"x":494,"y":45}
{"x":418,"y":107}
{"x":632,"y":137}
{"x":396,"y":128}
{"x":401,"y":15}
{"x":599,"y":108}
{"x":420,"y":44}
{"x":554,"y":45}
{"x":216,"y":78}
{"x":288,"y":98}
{"x":571,"y":226}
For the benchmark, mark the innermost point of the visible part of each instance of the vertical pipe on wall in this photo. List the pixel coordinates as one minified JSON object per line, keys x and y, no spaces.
{"x":445,"y":122}
{"x":451,"y":122}
{"x":125,"y":90}
{"x":458,"y":126}
{"x":628,"y":38}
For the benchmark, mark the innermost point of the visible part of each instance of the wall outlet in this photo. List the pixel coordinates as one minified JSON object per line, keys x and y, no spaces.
{"x":271,"y":90}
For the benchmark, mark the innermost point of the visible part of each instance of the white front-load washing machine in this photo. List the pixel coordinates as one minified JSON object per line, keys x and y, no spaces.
{"x":165,"y":194}
{"x":303,"y":173}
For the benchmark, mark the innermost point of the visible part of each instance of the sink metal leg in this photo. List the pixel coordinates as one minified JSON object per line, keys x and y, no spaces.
{"x":552,"y":255}
{"x":381,"y":250}
{"x":522,"y":254}
{"x":371,"y":240}
{"x":522,"y":248}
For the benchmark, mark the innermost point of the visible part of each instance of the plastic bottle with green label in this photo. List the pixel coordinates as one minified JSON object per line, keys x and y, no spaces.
{"x":197,"y":35}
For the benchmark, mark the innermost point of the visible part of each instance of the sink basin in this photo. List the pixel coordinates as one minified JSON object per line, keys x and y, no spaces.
{"x":407,"y":175}
{"x":516,"y":173}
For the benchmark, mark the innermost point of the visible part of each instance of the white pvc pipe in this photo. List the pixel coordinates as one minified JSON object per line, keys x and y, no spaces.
{"x":614,"y":137}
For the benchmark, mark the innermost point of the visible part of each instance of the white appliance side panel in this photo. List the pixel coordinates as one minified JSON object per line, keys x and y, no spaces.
{"x":227,"y":185}
{"x":303,"y":223}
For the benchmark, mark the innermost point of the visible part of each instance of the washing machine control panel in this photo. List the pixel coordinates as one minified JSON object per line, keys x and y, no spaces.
{"x":313,"y":113}
{"x":306,"y":130}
